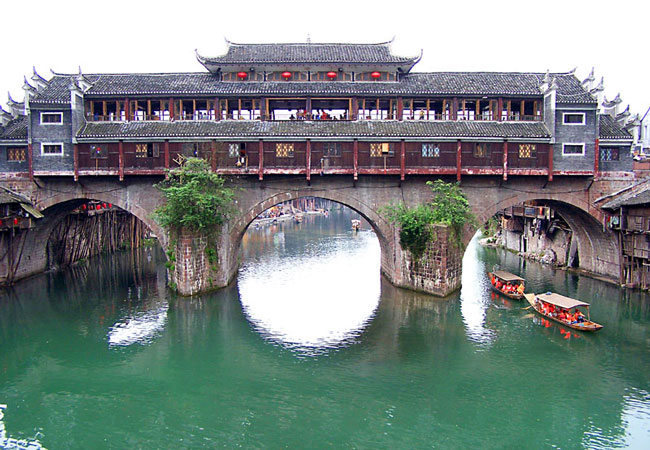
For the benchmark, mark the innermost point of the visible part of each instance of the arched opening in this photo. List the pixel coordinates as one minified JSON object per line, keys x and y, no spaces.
{"x":308,"y":280}
{"x":74,"y":229}
{"x":558,"y":233}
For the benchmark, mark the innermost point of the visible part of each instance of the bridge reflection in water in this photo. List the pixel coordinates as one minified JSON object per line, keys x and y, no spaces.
{"x":383,"y":367}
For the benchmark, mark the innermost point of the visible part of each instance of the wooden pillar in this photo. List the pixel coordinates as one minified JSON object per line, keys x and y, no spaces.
{"x":104,"y":112}
{"x":454,"y":109}
{"x":265,"y":104}
{"x":171,"y":108}
{"x":76,"y":162}
{"x":217,"y":109}
{"x":355,"y":158}
{"x":308,"y":108}
{"x":597,"y":158}
{"x":459,"y":158}
{"x":400,"y":108}
{"x":550,"y":162}
{"x":261,"y":157}
{"x":500,"y":109}
{"x":505,"y":160}
{"x":120,"y":148}
{"x":127,"y":109}
{"x":213,"y":155}
{"x":402,"y":169}
{"x":30,"y":161}
{"x":308,"y":159}
{"x":354,"y":114}
{"x":166,"y":150}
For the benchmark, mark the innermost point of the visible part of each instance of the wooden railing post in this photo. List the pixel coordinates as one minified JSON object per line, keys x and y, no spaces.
{"x":308,"y":159}
{"x":120,"y":160}
{"x":261,"y":156}
{"x":550,"y":162}
{"x":76,"y":161}
{"x":459,"y":159}
{"x":355,"y":158}
{"x":402,"y":170}
{"x":505,"y":160}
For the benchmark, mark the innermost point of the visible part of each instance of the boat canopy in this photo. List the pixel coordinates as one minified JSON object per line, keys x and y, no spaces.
{"x":560,"y":300}
{"x":506,"y":276}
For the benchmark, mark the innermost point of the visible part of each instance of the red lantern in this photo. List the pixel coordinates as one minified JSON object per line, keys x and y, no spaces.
{"x":110,"y":205}
{"x":286,"y":75}
{"x":242,"y":75}
{"x":375,"y":75}
{"x":16,"y":221}
{"x":331,"y":75}
{"x":104,"y":205}
{"x":84,"y":207}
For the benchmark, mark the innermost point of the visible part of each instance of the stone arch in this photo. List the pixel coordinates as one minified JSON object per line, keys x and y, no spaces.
{"x":379,"y":224}
{"x":597,"y":246}
{"x":55,"y":208}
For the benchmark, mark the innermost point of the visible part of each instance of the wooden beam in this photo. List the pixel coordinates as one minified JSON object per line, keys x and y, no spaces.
{"x":459,"y":159}
{"x":597,"y":158}
{"x":166,"y":150}
{"x":500,"y":109}
{"x":104,"y":112}
{"x":213,"y":155}
{"x":148,"y":110}
{"x":308,"y":159}
{"x":400,"y":108}
{"x":120,"y":148}
{"x":550,"y":162}
{"x":261,"y":158}
{"x":355,"y":158}
{"x":217,"y":109}
{"x":402,"y":159}
{"x":171,"y":108}
{"x":127,"y":109}
{"x":76,"y":161}
{"x":30,"y":161}
{"x":428,"y":107}
{"x":505,"y":160}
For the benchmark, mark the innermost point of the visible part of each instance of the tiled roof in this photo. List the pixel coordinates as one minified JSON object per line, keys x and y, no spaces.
{"x":302,"y":129}
{"x":608,"y":128}
{"x":205,"y":84}
{"x":308,"y":53}
{"x":638,"y":194}
{"x":14,"y":130}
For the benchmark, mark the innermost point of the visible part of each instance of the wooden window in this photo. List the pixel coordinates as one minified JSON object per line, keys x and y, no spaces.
{"x":55,"y":118}
{"x":527,"y":151}
{"x":332,"y":149}
{"x":573,"y":118}
{"x":233,"y":150}
{"x":148,"y":150}
{"x":481,"y":150}
{"x":52,"y":149}
{"x":284,"y":150}
{"x":98,"y":152}
{"x":16,"y":154}
{"x":573,"y":149}
{"x":378,"y":149}
{"x":609,"y":154}
{"x":430,"y":150}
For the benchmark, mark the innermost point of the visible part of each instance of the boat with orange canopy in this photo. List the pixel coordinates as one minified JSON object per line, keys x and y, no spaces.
{"x":563,"y":310}
{"x":508,"y":284}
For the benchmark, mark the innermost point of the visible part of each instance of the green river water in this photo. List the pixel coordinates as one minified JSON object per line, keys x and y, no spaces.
{"x":312,"y":348}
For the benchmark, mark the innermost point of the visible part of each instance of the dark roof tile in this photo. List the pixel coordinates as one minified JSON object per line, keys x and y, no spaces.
{"x":608,"y":128}
{"x":300,"y":129}
{"x":15,"y":130}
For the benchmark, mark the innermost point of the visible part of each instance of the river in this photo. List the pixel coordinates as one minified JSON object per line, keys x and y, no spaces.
{"x":312,"y":348}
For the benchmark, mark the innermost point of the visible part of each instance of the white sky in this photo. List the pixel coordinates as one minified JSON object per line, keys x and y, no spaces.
{"x":466,"y":35}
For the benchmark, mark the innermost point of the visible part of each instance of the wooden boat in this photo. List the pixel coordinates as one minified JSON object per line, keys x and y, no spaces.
{"x":507,"y":278}
{"x":540,"y":302}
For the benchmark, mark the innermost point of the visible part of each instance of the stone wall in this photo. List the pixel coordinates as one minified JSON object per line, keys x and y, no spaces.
{"x":438,"y":270}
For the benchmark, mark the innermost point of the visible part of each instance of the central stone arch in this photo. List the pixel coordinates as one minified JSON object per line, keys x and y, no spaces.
{"x":383,"y":229}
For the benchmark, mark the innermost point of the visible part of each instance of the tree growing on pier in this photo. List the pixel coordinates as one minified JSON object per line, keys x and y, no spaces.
{"x":195,"y":198}
{"x":449,"y":207}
